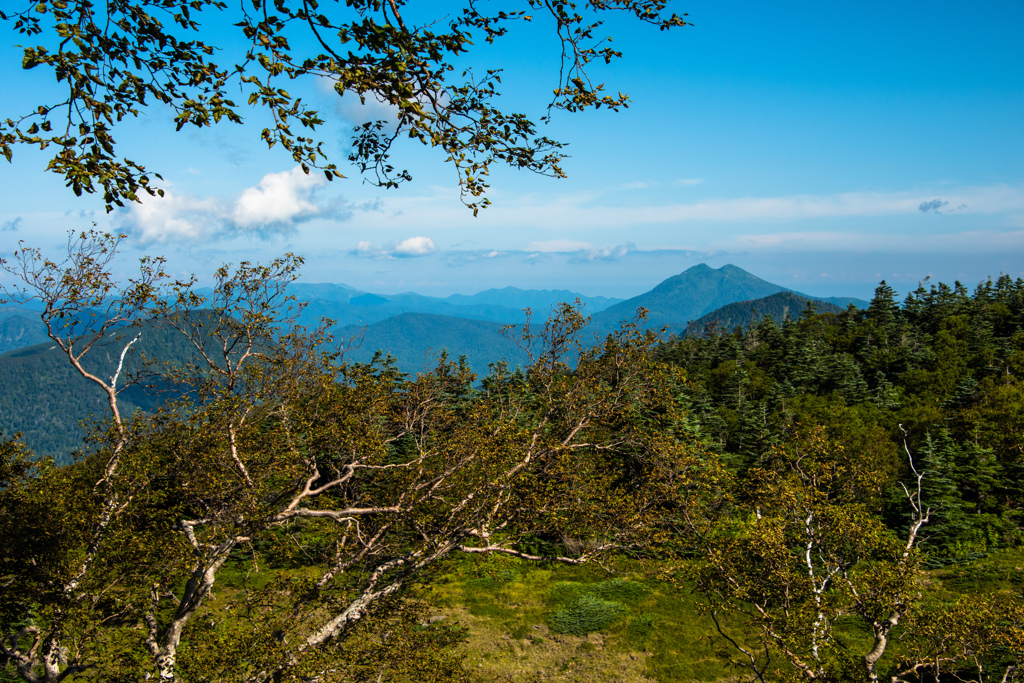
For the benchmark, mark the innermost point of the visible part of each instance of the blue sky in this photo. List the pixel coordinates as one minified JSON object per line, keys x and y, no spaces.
{"x":822,"y":146}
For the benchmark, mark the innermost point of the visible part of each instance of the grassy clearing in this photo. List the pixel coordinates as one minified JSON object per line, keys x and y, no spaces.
{"x":529,"y":622}
{"x":1000,"y":572}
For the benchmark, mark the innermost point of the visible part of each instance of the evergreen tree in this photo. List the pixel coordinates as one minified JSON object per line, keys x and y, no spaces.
{"x":941,"y":490}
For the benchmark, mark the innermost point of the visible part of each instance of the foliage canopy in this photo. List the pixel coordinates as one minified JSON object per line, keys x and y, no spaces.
{"x":118,"y":58}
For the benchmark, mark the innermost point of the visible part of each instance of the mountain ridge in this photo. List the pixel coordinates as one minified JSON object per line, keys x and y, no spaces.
{"x":42,"y":397}
{"x":672,"y":304}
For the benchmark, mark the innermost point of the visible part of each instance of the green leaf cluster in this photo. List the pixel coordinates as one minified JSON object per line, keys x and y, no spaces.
{"x":115,"y":60}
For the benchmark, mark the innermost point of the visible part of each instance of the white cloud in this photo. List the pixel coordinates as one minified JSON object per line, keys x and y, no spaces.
{"x":790,"y":239}
{"x":578,"y":252}
{"x":688,"y":182}
{"x":414,"y":246}
{"x":273,"y":206}
{"x":588,"y":212}
{"x":581,"y":251}
{"x":174,"y":217}
{"x":605,"y":253}
{"x":278,"y":198}
{"x":370,"y":108}
{"x":407,"y":248}
{"x":966,"y":242}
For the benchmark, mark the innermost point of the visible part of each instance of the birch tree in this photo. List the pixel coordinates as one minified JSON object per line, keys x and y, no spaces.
{"x":86,"y":314}
{"x":270,"y":519}
{"x":805,"y":560}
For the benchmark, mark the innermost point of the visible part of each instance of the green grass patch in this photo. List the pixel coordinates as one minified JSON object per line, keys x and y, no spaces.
{"x":522,"y":617}
{"x":640,"y":628}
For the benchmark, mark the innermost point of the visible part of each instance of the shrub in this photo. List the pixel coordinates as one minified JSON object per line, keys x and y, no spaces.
{"x":586,"y":614}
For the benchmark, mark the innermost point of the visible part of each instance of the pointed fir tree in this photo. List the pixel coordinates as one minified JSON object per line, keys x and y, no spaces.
{"x":941,"y":490}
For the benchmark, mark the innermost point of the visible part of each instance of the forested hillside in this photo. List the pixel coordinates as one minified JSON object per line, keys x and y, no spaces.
{"x":417,"y":340}
{"x":701,"y":291}
{"x":746,"y":313}
{"x":53,"y":407}
{"x":355,"y":309}
{"x":681,"y":298}
{"x":351,"y":307}
{"x":947,"y":364}
{"x":20,"y":328}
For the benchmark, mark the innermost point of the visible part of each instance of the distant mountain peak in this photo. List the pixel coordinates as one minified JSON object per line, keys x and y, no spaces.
{"x":698,"y":290}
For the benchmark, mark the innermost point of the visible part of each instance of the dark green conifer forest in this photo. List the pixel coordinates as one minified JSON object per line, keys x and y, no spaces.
{"x":945,"y":364}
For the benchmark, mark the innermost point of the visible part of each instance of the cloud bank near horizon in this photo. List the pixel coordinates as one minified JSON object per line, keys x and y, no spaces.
{"x":599,"y":210}
{"x":411,"y":247}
